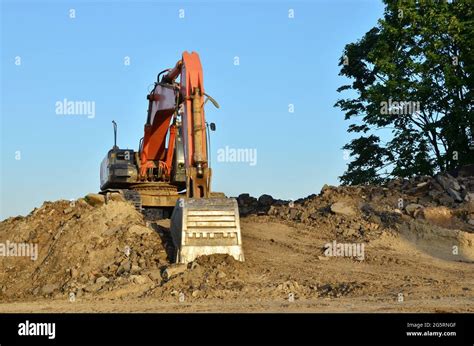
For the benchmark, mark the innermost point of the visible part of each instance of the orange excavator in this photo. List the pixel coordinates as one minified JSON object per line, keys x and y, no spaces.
{"x":170,"y":173}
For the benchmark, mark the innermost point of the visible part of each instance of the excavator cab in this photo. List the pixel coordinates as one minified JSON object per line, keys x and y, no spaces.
{"x":118,"y":169}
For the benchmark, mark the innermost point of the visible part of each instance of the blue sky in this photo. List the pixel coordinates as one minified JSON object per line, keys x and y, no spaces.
{"x":282,"y":61}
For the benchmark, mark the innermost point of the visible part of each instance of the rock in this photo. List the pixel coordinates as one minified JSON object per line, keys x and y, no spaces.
{"x":135,"y":269}
{"x":140,"y":230}
{"x":325,"y":190}
{"x":445,"y":200}
{"x":471,"y":221}
{"x":173,"y":270}
{"x":246,"y":199}
{"x":394,"y":184}
{"x":49,"y":288}
{"x":447,"y":181}
{"x":454,"y":194}
{"x":265,"y":200}
{"x":412,"y":208}
{"x":155,"y":275}
{"x":273,"y":210}
{"x":125,"y":267}
{"x":247,"y":204}
{"x":116,"y":197}
{"x":94,"y":287}
{"x":74,"y":273}
{"x":469,"y":197}
{"x":221,"y":275}
{"x":101,"y":280}
{"x":140,"y":279}
{"x":95,"y":199}
{"x":350,"y":232}
{"x":440,"y":216}
{"x":195,"y":293}
{"x":67,"y":210}
{"x":294,"y":214}
{"x":342,"y":209}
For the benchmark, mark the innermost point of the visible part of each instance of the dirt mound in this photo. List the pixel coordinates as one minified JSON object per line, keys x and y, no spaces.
{"x":89,"y":248}
{"x":435,"y":213}
{"x":90,"y":251}
{"x":442,"y":200}
{"x":81,"y":249}
{"x":214,"y":276}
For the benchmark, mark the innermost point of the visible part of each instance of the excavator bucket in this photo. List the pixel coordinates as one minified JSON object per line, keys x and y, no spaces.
{"x":206,"y":226}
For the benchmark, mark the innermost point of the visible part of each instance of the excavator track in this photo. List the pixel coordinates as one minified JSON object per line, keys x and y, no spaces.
{"x":133,"y":197}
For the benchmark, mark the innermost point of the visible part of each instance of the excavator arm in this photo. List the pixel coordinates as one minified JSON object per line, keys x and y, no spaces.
{"x":164,"y":103}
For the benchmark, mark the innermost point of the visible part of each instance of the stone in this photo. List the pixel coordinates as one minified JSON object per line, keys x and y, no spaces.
{"x":440,"y":216}
{"x":140,"y":230}
{"x":94,"y":287}
{"x":194,"y":265}
{"x":101,"y":280}
{"x":173,"y":270}
{"x":221,"y":275}
{"x":125,"y":267}
{"x":454,"y":194}
{"x":447,"y":181}
{"x":49,"y":288}
{"x":445,"y":200}
{"x":350,"y":232}
{"x":273,"y":210}
{"x":139,"y":279}
{"x":412,"y":208}
{"x":342,"y":209}
{"x":135,"y":268}
{"x":116,"y":197}
{"x":294,"y":214}
{"x":265,"y":200}
{"x":74,"y":273}
{"x":155,"y":274}
{"x":325,"y":188}
{"x":95,"y":199}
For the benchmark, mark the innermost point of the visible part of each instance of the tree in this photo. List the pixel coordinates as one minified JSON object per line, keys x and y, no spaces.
{"x":412,"y":75}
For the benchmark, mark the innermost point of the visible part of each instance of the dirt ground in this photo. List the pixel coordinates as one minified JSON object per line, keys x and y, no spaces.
{"x":107,"y":258}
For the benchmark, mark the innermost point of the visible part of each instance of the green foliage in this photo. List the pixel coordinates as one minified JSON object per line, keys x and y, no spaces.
{"x":412,"y":75}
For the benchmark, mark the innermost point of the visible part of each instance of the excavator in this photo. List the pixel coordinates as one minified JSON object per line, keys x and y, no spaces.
{"x":170,"y":174}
